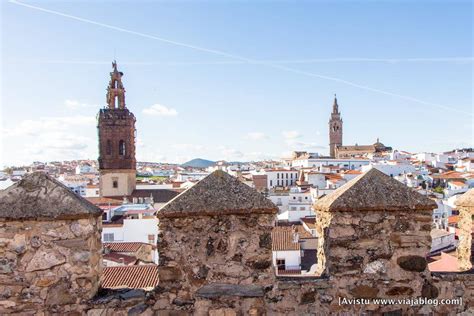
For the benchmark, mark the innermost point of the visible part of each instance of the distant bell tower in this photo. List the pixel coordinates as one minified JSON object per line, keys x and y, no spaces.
{"x":116,"y":127}
{"x":335,"y":129}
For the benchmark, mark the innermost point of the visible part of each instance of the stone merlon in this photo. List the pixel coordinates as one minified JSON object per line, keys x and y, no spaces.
{"x":374,"y":191}
{"x":466,"y":200}
{"x":38,"y":196}
{"x":217,"y":194}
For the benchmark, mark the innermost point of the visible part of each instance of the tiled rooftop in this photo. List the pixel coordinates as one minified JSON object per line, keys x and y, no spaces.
{"x":132,"y":277}
{"x":124,"y":246}
{"x":283,"y":239}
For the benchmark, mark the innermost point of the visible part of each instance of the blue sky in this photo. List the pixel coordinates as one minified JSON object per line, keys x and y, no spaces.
{"x":236,"y":80}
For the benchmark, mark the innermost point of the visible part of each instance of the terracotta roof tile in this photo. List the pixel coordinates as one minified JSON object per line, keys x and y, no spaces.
{"x":131,"y":277}
{"x":124,"y":246}
{"x":283,"y":239}
{"x":119,"y":258}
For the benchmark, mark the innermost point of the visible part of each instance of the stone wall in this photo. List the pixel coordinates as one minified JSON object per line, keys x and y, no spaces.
{"x":46,"y":264}
{"x":216,"y":261}
{"x":198,"y":251}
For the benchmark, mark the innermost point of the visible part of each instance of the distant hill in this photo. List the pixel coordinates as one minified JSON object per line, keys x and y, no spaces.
{"x":198,"y":163}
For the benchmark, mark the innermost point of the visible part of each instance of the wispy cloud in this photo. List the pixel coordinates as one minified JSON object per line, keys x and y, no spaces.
{"x":160,"y":110}
{"x":50,"y":125}
{"x":456,"y":60}
{"x":256,"y":136}
{"x":291,"y":134}
{"x":231,"y":153}
{"x":243,"y":59}
{"x":76,"y":104}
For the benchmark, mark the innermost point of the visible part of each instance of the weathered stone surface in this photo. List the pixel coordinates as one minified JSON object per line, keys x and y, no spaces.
{"x":60,"y":294}
{"x":429,"y":290}
{"x":364,"y":291}
{"x":466,"y":200}
{"x":374,"y":191}
{"x":412,"y":263}
{"x":169,"y":274}
{"x":378,"y":267}
{"x":307,"y":298}
{"x":76,"y":244}
{"x":43,"y":260}
{"x":400,"y":290}
{"x":38,"y":195}
{"x":218,"y":193}
{"x":218,"y":290}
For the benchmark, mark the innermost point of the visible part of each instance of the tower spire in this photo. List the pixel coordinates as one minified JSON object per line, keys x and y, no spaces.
{"x":335,"y":106}
{"x":115,"y":90}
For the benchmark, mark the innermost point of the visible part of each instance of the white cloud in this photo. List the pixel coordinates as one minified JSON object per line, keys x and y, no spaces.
{"x":75,"y":104}
{"x":160,"y":110}
{"x":291,"y":134}
{"x":50,"y":124}
{"x":51,"y":138}
{"x":256,"y":136}
{"x":231,"y":153}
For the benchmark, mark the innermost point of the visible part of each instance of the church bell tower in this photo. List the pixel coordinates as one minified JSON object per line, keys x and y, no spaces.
{"x":335,"y":129}
{"x":116,"y":128}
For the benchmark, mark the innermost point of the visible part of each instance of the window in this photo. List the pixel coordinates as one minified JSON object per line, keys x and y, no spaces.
{"x":108,"y":149}
{"x":271,"y":183}
{"x":278,"y":176}
{"x":104,"y":216}
{"x":115,"y":183}
{"x":108,"y":237}
{"x":122,"y":147}
{"x":293,"y":208}
{"x":302,"y":208}
{"x":280,"y":264}
{"x":287,"y":175}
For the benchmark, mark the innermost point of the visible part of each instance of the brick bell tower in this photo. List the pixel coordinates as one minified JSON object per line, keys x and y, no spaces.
{"x":116,"y":127}
{"x":335,"y":129}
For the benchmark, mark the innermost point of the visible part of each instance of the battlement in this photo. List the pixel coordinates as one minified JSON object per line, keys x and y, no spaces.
{"x":215,"y":254}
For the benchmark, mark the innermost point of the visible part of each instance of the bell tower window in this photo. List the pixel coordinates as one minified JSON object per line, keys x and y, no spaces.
{"x":122,"y":147}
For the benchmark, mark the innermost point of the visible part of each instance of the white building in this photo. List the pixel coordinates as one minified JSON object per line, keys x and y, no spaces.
{"x":294,"y":250}
{"x":390,"y":168}
{"x":442,"y":240}
{"x":350,"y":164}
{"x":299,"y":205}
{"x":184,"y":176}
{"x":92,"y":190}
{"x":137,"y":223}
{"x":85,"y":169}
{"x":280,"y":177}
{"x":465,"y":165}
{"x":455,"y":187}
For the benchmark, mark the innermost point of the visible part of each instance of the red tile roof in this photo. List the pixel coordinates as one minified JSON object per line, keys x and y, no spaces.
{"x":131,"y":277}
{"x":447,"y":263}
{"x":283,"y":239}
{"x":116,"y":257}
{"x":124,"y":246}
{"x":104,"y":201}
